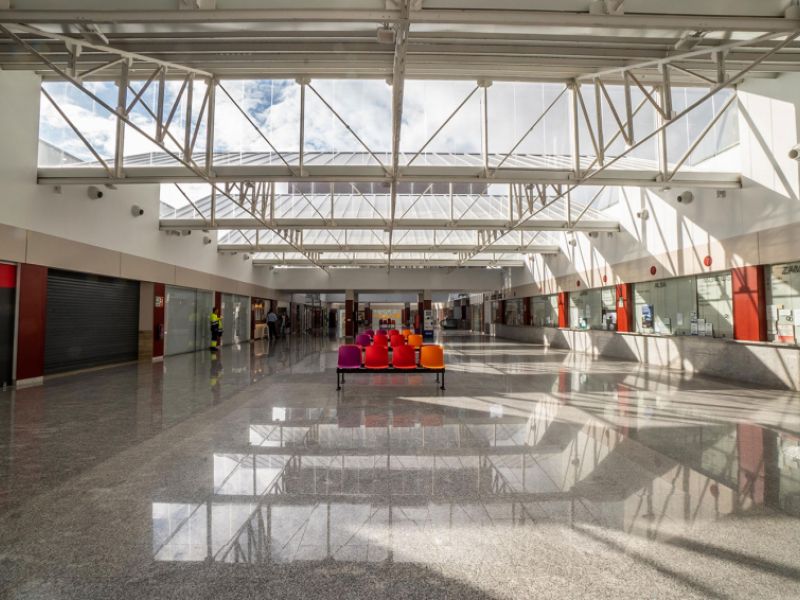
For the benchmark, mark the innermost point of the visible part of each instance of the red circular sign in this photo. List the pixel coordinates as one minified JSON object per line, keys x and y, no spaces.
{"x":707,"y":261}
{"x":652,"y":270}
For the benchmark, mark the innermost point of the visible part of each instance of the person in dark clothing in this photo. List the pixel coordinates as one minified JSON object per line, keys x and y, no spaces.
{"x":272,"y":324}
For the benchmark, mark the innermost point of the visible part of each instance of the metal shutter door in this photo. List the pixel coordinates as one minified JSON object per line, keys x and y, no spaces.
{"x":91,"y":321}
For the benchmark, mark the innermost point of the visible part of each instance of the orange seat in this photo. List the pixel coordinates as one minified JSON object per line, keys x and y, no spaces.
{"x":380,"y":340}
{"x":431,"y":357}
{"x":397,"y":340}
{"x":404,"y":357}
{"x":406,"y":332}
{"x":415,"y":341}
{"x":377,"y":357}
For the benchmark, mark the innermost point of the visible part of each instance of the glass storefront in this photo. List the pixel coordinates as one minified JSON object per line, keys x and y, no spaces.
{"x":187,"y":320}
{"x":699,"y":305}
{"x":783,"y":303}
{"x":593,"y":309}
{"x":235,"y":318}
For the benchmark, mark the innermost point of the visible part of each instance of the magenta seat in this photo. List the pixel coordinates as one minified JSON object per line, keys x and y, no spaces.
{"x":363,"y":340}
{"x":381,"y":332}
{"x":370,"y":332}
{"x":349,"y":357}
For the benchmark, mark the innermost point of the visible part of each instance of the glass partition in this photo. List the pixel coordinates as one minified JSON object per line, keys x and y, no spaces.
{"x":668,"y":307}
{"x":545,"y":311}
{"x":715,"y":304}
{"x":584,"y":309}
{"x":187,"y":324}
{"x":783,"y":303}
{"x":514,"y":312}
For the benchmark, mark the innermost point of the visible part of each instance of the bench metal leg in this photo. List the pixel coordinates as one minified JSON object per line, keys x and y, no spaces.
{"x":338,"y":386}
{"x":442,"y":380}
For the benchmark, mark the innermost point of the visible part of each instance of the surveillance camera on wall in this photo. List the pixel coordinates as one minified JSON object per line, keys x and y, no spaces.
{"x":794,"y":153}
{"x":593,"y":234}
{"x":136,"y":210}
{"x":94,"y":192}
{"x":206,"y":240}
{"x":643,"y":214}
{"x":685,"y":197}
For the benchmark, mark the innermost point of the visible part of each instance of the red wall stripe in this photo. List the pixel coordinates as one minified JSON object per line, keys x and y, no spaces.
{"x":32,"y":316}
{"x":625,"y":312}
{"x":159,"y":290}
{"x":563,"y":309}
{"x":749,"y":304}
{"x":8,"y":276}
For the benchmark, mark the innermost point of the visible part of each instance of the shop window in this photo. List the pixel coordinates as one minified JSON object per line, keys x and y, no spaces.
{"x":783,"y":303}
{"x":514,"y":312}
{"x":545,"y":311}
{"x":668,"y":307}
{"x":715,"y":304}
{"x":593,"y":309}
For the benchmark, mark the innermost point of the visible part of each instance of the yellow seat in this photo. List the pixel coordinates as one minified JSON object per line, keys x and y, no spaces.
{"x":431,"y":357}
{"x":415,"y":341}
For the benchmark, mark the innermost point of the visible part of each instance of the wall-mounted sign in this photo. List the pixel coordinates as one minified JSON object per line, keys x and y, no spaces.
{"x":159,"y":301}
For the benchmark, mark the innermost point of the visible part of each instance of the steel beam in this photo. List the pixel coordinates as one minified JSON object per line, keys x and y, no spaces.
{"x":378,"y":225}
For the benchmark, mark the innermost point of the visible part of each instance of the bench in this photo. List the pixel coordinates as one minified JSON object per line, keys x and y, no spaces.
{"x":377,"y":361}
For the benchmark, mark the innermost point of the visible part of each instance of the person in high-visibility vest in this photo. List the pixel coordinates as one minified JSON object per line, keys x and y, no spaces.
{"x":216,"y":328}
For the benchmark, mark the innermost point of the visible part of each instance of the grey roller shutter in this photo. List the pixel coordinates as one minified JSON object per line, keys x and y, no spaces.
{"x":91,"y":321}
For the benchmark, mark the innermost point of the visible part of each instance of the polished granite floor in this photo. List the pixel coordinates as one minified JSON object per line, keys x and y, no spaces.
{"x":536,"y":474}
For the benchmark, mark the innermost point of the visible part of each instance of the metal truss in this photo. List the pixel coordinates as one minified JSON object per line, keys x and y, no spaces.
{"x":533,"y":188}
{"x":181,"y":151}
{"x":659,"y":96}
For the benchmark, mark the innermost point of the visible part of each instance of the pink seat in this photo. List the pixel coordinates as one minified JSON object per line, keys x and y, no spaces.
{"x":381,"y":333}
{"x":370,"y":332}
{"x":349,"y":357}
{"x":404,"y":357}
{"x":363,"y":340}
{"x":377,"y":357}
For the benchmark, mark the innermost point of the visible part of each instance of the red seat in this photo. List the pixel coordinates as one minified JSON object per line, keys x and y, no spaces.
{"x":397,"y":340}
{"x":393,"y":332}
{"x":404,"y":357}
{"x":377,"y":357}
{"x":380,"y":340}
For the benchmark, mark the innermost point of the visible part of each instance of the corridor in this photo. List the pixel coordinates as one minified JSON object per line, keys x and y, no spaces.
{"x":536,"y":474}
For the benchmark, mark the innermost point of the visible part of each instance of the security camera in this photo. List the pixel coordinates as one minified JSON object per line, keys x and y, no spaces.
{"x":94,"y":193}
{"x":685,"y":197}
{"x":643,"y":214}
{"x":593,"y":234}
{"x":136,"y":210}
{"x":794,"y":153}
{"x":206,"y":240}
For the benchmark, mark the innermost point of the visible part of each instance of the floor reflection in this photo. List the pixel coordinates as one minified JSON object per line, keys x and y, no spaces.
{"x":537,"y":472}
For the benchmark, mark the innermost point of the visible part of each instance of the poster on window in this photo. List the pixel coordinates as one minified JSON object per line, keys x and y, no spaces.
{"x":647,"y":316}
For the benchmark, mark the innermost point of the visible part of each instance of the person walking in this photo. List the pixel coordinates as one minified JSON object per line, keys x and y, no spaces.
{"x":215,"y":322}
{"x":272,"y":324}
